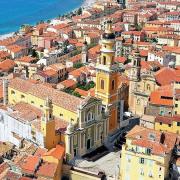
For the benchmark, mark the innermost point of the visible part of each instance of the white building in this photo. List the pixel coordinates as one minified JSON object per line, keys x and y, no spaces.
{"x":18,"y":125}
{"x":48,"y":60}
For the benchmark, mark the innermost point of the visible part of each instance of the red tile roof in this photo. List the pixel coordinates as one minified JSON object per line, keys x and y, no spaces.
{"x":58,"y":98}
{"x":162,"y":96}
{"x":167,"y":119}
{"x":68,"y":83}
{"x":161,"y":143}
{"x":30,"y":164}
{"x":47,"y":170}
{"x":26,"y":59}
{"x":7,"y":65}
{"x":121,"y":59}
{"x":57,"y":152}
{"x":166,"y":75}
{"x":82,"y":92}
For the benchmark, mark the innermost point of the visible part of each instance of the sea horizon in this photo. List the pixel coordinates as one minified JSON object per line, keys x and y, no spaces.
{"x":31,"y":12}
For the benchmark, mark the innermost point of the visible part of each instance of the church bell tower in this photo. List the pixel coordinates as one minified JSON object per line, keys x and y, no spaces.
{"x":107,"y":76}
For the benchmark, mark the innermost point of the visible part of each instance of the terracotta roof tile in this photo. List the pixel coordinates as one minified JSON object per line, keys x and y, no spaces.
{"x":47,"y":170}
{"x":57,"y":152}
{"x":26,"y":59}
{"x":68,"y":83}
{"x":7,"y":65}
{"x":59,"y":98}
{"x":165,"y":75}
{"x":162,"y":96}
{"x":141,"y":136}
{"x":29,"y":164}
{"x":167,"y":119}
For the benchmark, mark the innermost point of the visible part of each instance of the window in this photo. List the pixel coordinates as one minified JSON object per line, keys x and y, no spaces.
{"x":176,"y":105}
{"x":61,"y":114}
{"x":150,"y":174}
{"x":152,"y":136}
{"x":22,"y":96}
{"x":41,"y":106}
{"x":169,"y":125}
{"x":50,"y":115}
{"x":148,"y":151}
{"x":141,"y":171}
{"x":141,"y":160}
{"x":160,"y":123}
{"x":32,"y":102}
{"x":175,"y":112}
{"x":89,"y":116}
{"x":102,"y":84}
{"x":104,"y":60}
{"x":148,"y":87}
{"x":12,"y":92}
{"x":178,"y":123}
{"x":113,"y":84}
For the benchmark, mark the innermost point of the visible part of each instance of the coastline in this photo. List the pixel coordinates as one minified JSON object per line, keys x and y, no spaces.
{"x":4,"y":36}
{"x":85,"y":4}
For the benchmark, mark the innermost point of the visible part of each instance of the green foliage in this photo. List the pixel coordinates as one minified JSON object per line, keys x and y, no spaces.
{"x":85,"y":86}
{"x":72,"y":92}
{"x":68,"y":90}
{"x":75,"y":52}
{"x":138,"y":27}
{"x":78,"y":65}
{"x":91,"y":45}
{"x":79,"y":11}
{"x":76,"y":94}
{"x":34,"y":53}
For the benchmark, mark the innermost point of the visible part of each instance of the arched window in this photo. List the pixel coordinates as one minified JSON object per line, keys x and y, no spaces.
{"x":102,"y":84}
{"x":113,"y":84}
{"x":104,"y":60}
{"x":148,"y":87}
{"x":89,"y":116}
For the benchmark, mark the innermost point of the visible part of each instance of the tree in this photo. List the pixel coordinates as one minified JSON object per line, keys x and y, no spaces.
{"x":77,"y":65}
{"x":76,"y":94}
{"x":79,"y":11}
{"x":34,"y":53}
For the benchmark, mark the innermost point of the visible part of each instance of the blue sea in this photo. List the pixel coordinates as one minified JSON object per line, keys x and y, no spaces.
{"x":14,"y":13}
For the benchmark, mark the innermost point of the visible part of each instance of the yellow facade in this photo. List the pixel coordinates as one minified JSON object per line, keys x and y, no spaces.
{"x":47,"y":128}
{"x":174,"y":127}
{"x":141,"y":85}
{"x":88,"y":118}
{"x":141,"y":166}
{"x":147,"y":154}
{"x":107,"y":77}
{"x":15,"y":96}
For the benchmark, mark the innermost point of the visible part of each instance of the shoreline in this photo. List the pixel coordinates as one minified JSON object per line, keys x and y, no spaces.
{"x":85,"y":4}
